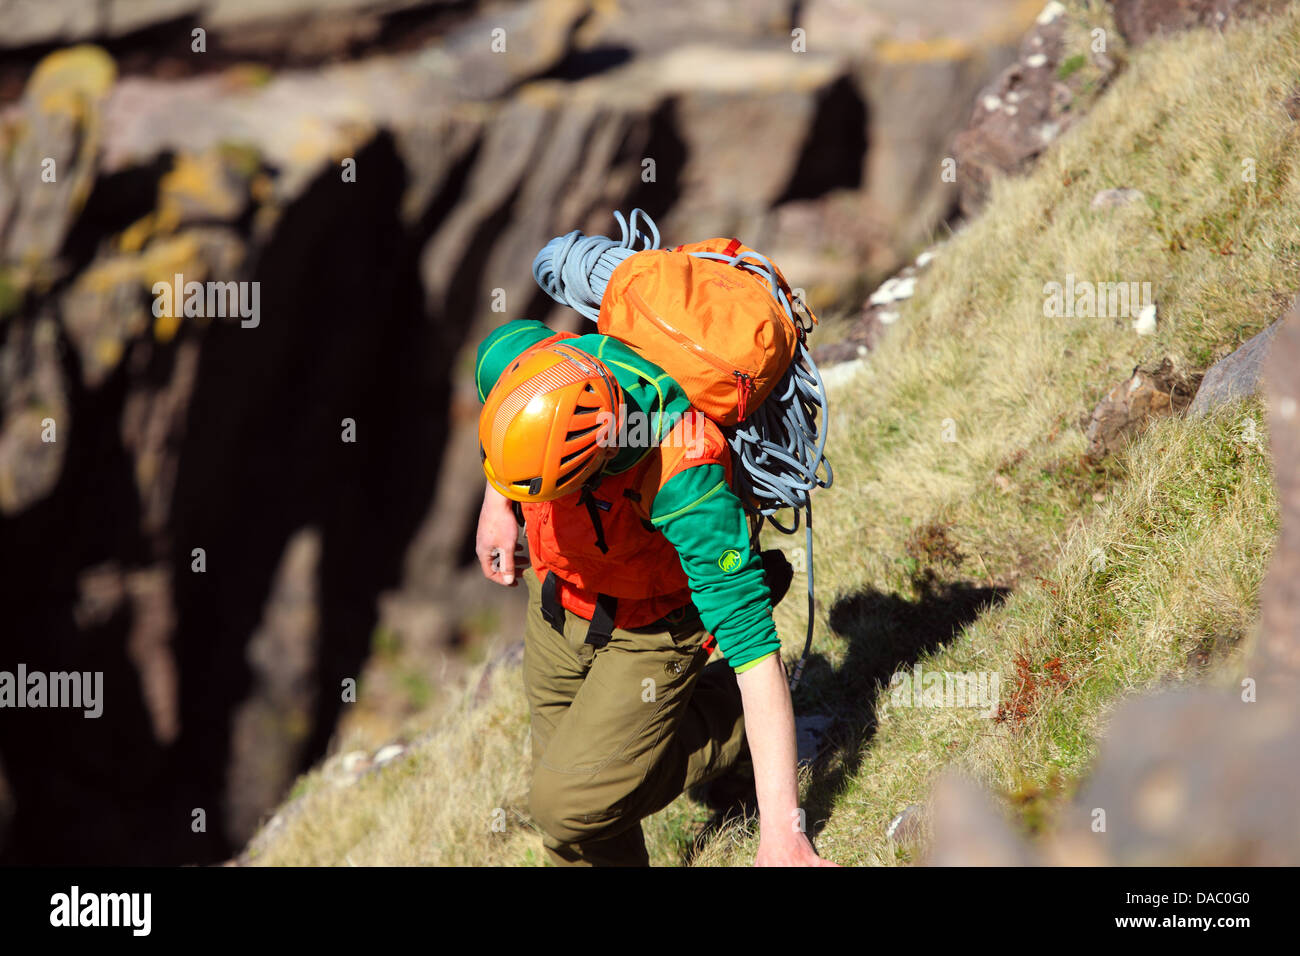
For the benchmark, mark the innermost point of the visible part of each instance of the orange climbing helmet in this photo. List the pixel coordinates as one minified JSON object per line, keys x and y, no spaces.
{"x":547,"y":425}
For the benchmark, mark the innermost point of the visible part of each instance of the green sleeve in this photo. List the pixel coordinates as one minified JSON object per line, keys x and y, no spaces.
{"x":502,"y":347}
{"x":758,"y":660}
{"x":703,"y":519}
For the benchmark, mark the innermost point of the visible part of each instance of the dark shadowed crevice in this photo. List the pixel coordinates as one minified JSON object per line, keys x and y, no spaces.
{"x":116,"y":201}
{"x":580,"y":64}
{"x":835,"y":148}
{"x":342,"y":335}
{"x":663,"y":144}
{"x":79,"y":785}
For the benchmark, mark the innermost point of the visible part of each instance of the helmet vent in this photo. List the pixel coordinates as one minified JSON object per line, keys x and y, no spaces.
{"x":574,"y":454}
{"x":568,"y":476}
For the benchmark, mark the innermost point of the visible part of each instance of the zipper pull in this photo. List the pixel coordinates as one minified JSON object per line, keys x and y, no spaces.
{"x":743,"y":387}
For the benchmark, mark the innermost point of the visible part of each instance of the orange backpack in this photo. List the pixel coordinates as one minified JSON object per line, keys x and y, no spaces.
{"x":717,"y":328}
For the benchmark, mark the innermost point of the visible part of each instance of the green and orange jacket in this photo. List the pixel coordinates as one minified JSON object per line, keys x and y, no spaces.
{"x":675,"y":530}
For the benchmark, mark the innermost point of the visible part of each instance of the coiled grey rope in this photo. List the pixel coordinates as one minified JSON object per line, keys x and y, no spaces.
{"x":574,"y":269}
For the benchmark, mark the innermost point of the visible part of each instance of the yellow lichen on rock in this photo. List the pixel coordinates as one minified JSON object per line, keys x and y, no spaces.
{"x":108,"y":352}
{"x":165,"y":327}
{"x":198,"y":186}
{"x":133,"y":238}
{"x":161,"y":263}
{"x":197,"y":183}
{"x":68,"y":80}
{"x":922,"y":51}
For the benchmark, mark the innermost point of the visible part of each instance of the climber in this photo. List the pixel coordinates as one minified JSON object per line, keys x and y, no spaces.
{"x":641,"y":561}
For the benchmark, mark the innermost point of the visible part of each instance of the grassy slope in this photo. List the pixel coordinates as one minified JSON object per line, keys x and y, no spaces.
{"x":1119,"y":575}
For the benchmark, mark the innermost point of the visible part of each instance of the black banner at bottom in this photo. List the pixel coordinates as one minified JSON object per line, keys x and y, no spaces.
{"x":232,"y":905}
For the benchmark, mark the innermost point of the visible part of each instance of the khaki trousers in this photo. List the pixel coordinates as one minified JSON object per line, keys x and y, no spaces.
{"x":619,"y":732}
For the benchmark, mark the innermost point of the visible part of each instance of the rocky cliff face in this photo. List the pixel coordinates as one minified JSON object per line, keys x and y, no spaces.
{"x":219,"y":511}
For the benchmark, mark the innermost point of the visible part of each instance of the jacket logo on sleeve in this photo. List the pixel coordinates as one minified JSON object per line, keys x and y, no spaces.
{"x":729,"y":560}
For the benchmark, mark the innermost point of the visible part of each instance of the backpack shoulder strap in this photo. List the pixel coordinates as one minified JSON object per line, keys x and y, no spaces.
{"x":694,"y":440}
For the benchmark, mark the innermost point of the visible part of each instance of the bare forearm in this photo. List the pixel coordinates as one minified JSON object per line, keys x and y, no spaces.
{"x":493,"y":500}
{"x":769,"y":726}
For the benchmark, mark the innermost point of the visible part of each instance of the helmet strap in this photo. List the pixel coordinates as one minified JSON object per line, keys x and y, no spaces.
{"x":594,"y":507}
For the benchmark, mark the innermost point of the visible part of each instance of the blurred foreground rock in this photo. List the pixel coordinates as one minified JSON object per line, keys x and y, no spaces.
{"x":1235,"y":376}
{"x":1279,"y":640}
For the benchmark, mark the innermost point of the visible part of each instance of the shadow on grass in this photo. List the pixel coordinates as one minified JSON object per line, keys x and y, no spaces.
{"x":885,"y":633}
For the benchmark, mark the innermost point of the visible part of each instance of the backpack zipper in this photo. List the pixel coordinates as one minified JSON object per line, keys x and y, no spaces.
{"x":744,"y":385}
{"x":744,"y":380}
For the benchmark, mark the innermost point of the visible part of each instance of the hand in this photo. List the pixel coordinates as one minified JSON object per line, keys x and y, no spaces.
{"x":792,"y":849}
{"x":495,"y":541}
